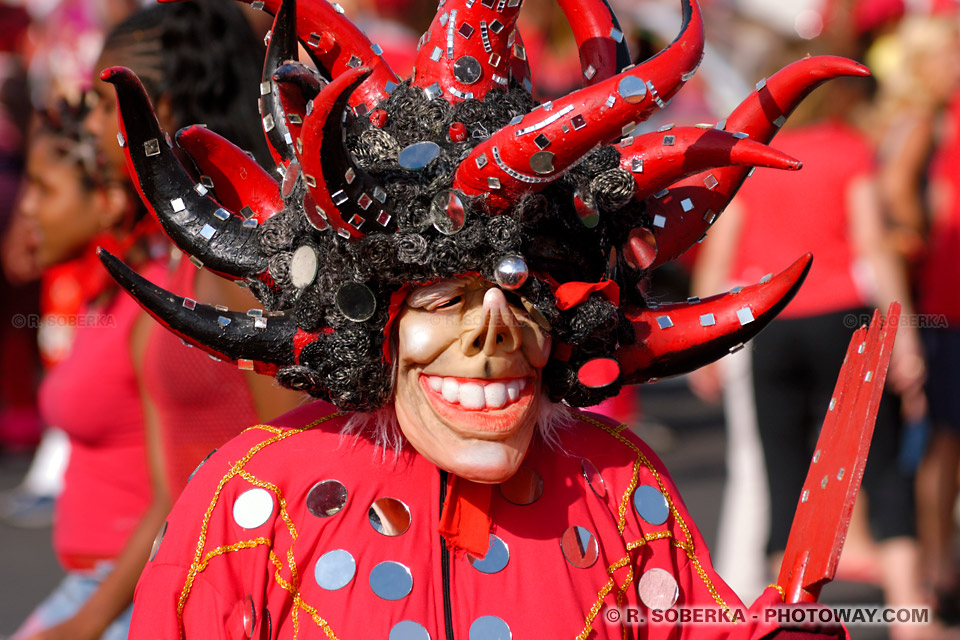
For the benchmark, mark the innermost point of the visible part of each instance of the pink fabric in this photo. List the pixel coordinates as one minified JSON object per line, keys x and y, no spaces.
{"x":93,"y":396}
{"x":940,"y":272}
{"x":201,"y":403}
{"x":788,"y":214}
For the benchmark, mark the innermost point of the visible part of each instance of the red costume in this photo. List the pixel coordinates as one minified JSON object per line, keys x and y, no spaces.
{"x":447,"y":252}
{"x":252,"y":567}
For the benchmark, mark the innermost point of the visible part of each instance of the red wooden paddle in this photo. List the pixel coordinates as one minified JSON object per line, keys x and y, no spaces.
{"x":830,"y":490}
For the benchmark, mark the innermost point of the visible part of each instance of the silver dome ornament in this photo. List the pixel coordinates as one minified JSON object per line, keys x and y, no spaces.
{"x":511,"y":272}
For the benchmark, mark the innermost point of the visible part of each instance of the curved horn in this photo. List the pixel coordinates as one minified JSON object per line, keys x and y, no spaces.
{"x":252,"y":340}
{"x":690,"y":207}
{"x":466,"y":51}
{"x":337,"y":46}
{"x":659,"y":159}
{"x":600,"y":42}
{"x":283,"y":46}
{"x":237,"y":178}
{"x":223,"y":242}
{"x":297,"y":85}
{"x":671,"y":339}
{"x":529,"y":154}
{"x":345,"y":194}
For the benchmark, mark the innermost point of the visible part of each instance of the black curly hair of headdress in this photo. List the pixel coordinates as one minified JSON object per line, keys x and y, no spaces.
{"x":346,"y":365}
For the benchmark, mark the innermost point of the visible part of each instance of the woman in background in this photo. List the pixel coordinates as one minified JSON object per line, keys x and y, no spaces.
{"x":120,"y":395}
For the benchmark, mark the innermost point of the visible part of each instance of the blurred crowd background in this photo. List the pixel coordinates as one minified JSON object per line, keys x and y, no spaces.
{"x":878,"y":203}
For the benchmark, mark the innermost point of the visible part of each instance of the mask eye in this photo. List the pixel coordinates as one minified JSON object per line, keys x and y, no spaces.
{"x":448,"y":304}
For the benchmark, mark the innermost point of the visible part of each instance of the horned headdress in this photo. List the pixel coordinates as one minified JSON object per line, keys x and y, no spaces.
{"x":382,"y":183}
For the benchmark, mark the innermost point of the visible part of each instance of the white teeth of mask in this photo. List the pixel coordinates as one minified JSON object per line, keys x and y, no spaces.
{"x":471,"y":396}
{"x":475,"y":395}
{"x":495,"y":395}
{"x":451,"y":390}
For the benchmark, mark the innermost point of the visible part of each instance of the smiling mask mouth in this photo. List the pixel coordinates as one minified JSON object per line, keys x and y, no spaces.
{"x":477,"y":405}
{"x":474,"y":394}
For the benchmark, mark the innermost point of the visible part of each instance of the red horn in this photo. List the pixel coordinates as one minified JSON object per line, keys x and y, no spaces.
{"x":215,"y":237}
{"x":344,"y":193}
{"x":237,"y":178}
{"x":600,"y":41}
{"x":671,"y":339}
{"x":527,"y":155}
{"x":337,"y":46}
{"x":467,"y":50}
{"x":659,"y":159}
{"x":690,"y":206}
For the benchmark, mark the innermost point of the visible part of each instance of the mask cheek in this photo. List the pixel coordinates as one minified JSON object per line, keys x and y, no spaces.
{"x":420,"y":342}
{"x":536,"y":347}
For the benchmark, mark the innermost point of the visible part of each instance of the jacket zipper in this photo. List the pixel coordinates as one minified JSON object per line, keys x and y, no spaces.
{"x":445,"y":566}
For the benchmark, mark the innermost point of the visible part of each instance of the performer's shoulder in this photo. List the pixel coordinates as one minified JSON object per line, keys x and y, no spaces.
{"x":605,"y":440}
{"x":315,"y":426}
{"x":314,"y":420}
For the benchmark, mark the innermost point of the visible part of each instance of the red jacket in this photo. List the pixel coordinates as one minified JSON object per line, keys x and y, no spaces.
{"x":213,"y":578}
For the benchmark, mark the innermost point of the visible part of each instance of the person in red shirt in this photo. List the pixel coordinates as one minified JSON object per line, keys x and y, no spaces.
{"x":119,"y":394}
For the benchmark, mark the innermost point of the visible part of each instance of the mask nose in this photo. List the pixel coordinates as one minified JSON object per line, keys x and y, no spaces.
{"x":497,"y":328}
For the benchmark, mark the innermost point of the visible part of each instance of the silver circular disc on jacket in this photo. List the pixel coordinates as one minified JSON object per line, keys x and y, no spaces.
{"x":418,"y":155}
{"x":335,"y":569}
{"x":158,"y":540}
{"x":391,"y":580}
{"x":249,"y":616}
{"x":522,"y":488}
{"x":303,"y":267}
{"x":490,"y":628}
{"x":409,"y":630}
{"x":651,"y":504}
{"x":657,"y":589}
{"x":326,"y":498}
{"x":389,"y":516}
{"x":253,"y":508}
{"x":593,"y":478}
{"x":498,"y":555}
{"x":579,"y":547}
